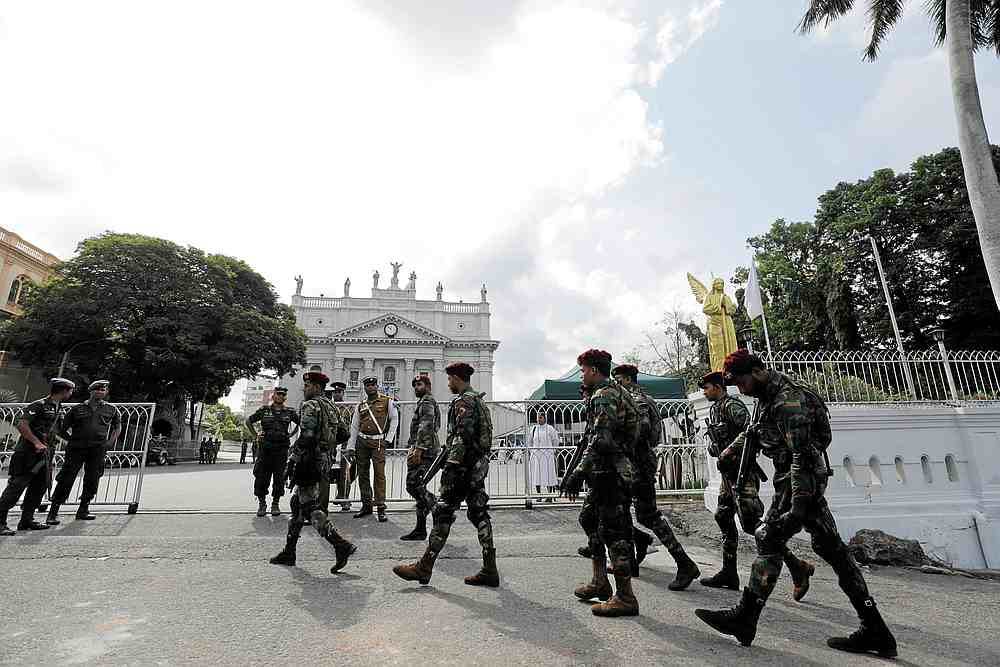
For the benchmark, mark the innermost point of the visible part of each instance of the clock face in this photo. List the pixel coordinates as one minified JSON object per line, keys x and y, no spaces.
{"x":391,"y":330}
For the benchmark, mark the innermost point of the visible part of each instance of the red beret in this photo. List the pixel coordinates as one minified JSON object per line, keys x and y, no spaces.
{"x":461,"y":370}
{"x":420,"y":378}
{"x":628,"y":370}
{"x":315,"y":377}
{"x":712,"y":378}
{"x":740,"y":362}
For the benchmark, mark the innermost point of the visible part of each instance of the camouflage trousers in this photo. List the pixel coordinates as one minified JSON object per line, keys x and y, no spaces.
{"x":415,"y":483}
{"x":458,"y":484}
{"x":774,"y":533}
{"x":308,"y":500}
{"x":748,"y":507}
{"x":644,"y":498}
{"x":606,"y":519}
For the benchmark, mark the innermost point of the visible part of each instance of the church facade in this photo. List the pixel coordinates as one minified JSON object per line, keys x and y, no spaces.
{"x":393,"y":336}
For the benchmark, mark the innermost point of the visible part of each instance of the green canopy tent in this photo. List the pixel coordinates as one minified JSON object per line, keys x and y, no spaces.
{"x":567,"y":387}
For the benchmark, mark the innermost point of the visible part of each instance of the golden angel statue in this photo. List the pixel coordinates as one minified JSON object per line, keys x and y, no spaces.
{"x":720,"y":310}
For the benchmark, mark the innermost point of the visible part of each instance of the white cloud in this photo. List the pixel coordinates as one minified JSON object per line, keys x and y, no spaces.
{"x":676,"y":35}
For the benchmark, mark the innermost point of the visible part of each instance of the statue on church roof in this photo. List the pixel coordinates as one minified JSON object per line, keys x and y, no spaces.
{"x":375,"y":279}
{"x":412,"y":285}
{"x":482,"y":293}
{"x":298,"y":285}
{"x":347,"y":287}
{"x":394,"y":284}
{"x":439,"y":289}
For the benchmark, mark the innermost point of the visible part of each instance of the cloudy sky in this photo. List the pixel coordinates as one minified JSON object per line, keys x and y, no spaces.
{"x":578,"y":157}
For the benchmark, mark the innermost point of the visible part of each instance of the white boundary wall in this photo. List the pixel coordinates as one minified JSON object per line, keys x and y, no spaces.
{"x":929,"y":472}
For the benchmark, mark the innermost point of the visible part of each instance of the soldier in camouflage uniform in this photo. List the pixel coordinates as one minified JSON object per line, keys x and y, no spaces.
{"x":273,"y":439}
{"x":424,"y":447}
{"x":612,"y":430}
{"x":470,"y":432}
{"x":644,"y":483}
{"x":308,"y":472}
{"x":794,"y":432}
{"x":728,"y":419}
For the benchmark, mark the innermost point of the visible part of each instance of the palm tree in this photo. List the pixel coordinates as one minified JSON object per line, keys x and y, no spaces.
{"x":963,"y":26}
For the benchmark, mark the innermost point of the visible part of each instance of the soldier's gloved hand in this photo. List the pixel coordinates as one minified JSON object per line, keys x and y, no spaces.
{"x":571,"y":485}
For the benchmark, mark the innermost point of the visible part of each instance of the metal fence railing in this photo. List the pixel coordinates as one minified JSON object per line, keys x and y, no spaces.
{"x":124,"y":463}
{"x":528,"y":474}
{"x":884,"y":376}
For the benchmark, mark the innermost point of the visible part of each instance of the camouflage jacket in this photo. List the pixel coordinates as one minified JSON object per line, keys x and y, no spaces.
{"x":425,"y":424}
{"x":727,"y":418}
{"x":613,"y":428}
{"x":463,"y":425}
{"x":650,"y":426}
{"x":789,"y":428}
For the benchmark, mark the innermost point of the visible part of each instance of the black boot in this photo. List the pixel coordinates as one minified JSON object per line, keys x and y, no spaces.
{"x":419,"y":533}
{"x":687,"y":570}
{"x":727,"y":577}
{"x":287,"y":555}
{"x":872,"y":637}
{"x":488,"y":574}
{"x":365,"y":511}
{"x":83,"y":512}
{"x":343,"y":550}
{"x":643,"y":541}
{"x":740,"y":621}
{"x":28,"y":522}
{"x":381,"y":515}
{"x":261,"y":507}
{"x":585,"y":551}
{"x":53,"y":518}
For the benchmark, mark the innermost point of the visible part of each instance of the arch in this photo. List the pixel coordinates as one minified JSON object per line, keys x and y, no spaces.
{"x":874,"y":471}
{"x":849,"y":471}
{"x":925,"y":465}
{"x":900,"y":470}
{"x":951,"y":468}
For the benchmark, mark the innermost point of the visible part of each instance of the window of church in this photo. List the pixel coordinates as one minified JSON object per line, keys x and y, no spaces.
{"x":354,"y":379}
{"x":15,"y":288}
{"x":389,"y":376}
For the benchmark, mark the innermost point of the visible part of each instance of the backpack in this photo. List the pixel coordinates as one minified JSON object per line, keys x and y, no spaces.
{"x":332,"y":430}
{"x":822,"y":431}
{"x":649,"y":416}
{"x":485,"y":426}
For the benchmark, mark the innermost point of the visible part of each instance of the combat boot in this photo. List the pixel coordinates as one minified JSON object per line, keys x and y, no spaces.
{"x":83,"y":513}
{"x":343,"y":549}
{"x":287,"y":555}
{"x":740,"y":621}
{"x":872,"y":637}
{"x":599,"y":586}
{"x":28,"y":522}
{"x":381,"y":515}
{"x":643,"y":541}
{"x":585,"y":551}
{"x":488,"y":574}
{"x":801,"y":571}
{"x":622,"y":603}
{"x":365,"y":511}
{"x":420,"y":571}
{"x":53,"y":517}
{"x":687,"y":570}
{"x":727,"y":577}
{"x":261,"y":507}
{"x":275,"y":508}
{"x":419,"y":533}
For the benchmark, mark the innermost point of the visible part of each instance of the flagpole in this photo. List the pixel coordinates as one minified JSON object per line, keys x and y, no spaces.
{"x":892,"y":318}
{"x":763,"y":315}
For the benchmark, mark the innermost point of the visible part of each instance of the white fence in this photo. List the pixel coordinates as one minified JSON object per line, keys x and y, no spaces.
{"x":874,"y":376}
{"x":124,"y":464}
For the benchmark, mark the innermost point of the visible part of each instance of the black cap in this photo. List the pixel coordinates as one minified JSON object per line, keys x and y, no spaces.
{"x":338,"y":385}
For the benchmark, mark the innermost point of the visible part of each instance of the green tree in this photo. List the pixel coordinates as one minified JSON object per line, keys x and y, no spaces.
{"x":169,"y":323}
{"x":221,"y":422}
{"x":963,"y":26}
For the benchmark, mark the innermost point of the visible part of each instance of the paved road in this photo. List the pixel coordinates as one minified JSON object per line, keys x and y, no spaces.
{"x":189,"y":589}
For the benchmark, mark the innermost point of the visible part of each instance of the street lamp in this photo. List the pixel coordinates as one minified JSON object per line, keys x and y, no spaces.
{"x":65,"y":356}
{"x":747,"y":333}
{"x":938,"y":334}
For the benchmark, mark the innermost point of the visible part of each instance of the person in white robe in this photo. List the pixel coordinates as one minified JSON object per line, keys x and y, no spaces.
{"x":542,"y":444}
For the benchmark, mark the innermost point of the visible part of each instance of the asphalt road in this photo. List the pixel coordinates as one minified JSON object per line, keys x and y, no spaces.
{"x":175,"y":589}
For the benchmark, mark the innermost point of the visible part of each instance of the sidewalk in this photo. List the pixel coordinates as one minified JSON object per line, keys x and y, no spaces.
{"x":189,"y":589}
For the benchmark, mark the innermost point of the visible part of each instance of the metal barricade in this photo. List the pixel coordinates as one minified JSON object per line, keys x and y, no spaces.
{"x":124,"y":463}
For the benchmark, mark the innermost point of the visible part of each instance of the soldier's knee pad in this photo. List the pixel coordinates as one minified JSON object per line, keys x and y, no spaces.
{"x":317,"y":518}
{"x":307,"y":508}
{"x":443,"y":513}
{"x":769,"y":539}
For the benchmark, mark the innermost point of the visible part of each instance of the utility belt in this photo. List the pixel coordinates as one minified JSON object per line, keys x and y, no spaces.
{"x":371,"y":437}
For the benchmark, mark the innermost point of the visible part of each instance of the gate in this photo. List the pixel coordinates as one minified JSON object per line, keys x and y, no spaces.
{"x":124,"y":463}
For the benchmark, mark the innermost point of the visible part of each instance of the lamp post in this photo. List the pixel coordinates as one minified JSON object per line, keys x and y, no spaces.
{"x":938,"y":334}
{"x":747,"y":334}
{"x":65,"y":356}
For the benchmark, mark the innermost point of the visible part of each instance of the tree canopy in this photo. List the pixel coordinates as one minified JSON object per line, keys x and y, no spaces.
{"x":157,"y":319}
{"x":819,"y":279}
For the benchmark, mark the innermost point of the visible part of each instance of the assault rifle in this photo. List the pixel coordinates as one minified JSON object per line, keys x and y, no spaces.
{"x":748,"y":457}
{"x":438,"y":463}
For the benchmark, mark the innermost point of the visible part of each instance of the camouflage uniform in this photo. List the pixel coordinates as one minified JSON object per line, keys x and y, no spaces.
{"x":728,"y":419}
{"x":462,"y":479}
{"x":269,"y":466}
{"x":644,"y":490}
{"x":310,"y":461}
{"x":613,"y":425}
{"x":423,"y":437}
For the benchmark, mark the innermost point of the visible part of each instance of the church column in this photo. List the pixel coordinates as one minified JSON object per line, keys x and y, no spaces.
{"x":341,"y":365}
{"x":369,"y":367}
{"x":405,"y":387}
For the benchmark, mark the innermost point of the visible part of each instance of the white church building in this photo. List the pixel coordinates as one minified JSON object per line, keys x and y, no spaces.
{"x":393,"y":336}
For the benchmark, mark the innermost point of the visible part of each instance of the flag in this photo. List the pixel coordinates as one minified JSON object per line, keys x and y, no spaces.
{"x":755,"y":306}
